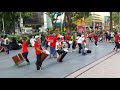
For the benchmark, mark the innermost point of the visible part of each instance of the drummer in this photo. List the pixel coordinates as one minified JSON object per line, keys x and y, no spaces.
{"x":38,"y":53}
{"x":25,"y":49}
{"x":59,"y":50}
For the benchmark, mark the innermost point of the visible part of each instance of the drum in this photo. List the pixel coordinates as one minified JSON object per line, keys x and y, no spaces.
{"x":65,"y":49}
{"x":16,"y":59}
{"x":21,"y":56}
{"x":1,"y":49}
{"x":44,"y":55}
{"x":70,"y":42}
{"x":74,"y":44}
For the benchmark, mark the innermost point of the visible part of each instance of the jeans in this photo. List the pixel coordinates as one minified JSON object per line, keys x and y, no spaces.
{"x":68,"y":44}
{"x":52,"y":51}
{"x":83,"y":48}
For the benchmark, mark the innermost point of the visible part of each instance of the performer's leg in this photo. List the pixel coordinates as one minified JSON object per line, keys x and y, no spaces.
{"x":63,"y":55}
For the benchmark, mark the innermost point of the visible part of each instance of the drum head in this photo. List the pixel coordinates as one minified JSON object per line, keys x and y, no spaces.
{"x":47,"y":52}
{"x":65,"y":49}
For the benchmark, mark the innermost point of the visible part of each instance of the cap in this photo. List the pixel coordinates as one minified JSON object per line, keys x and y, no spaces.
{"x":36,"y":37}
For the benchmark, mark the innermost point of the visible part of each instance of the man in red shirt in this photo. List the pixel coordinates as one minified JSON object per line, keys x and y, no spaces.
{"x":25,"y":49}
{"x":53,"y":40}
{"x":116,"y":39}
{"x":68,"y":38}
{"x":47,"y":38}
{"x":38,"y":52}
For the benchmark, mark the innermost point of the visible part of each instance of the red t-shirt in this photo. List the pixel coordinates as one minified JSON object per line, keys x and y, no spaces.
{"x":48,"y":37}
{"x":53,"y":41}
{"x":57,"y":35}
{"x":62,"y":39}
{"x":92,"y":35}
{"x":96,"y":38}
{"x":116,"y":38}
{"x":68,"y":37}
{"x":37,"y":45}
{"x":24,"y":47}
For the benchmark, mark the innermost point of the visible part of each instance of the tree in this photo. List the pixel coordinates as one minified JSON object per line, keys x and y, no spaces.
{"x":115,"y":17}
{"x":54,"y":17}
{"x":70,"y":16}
{"x":10,"y":18}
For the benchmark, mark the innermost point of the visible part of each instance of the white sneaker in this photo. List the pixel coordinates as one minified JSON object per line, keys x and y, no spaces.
{"x":41,"y":69}
{"x":96,"y":46}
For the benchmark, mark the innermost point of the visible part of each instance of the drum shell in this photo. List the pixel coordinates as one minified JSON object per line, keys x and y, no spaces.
{"x":16,"y":59}
{"x":43,"y":56}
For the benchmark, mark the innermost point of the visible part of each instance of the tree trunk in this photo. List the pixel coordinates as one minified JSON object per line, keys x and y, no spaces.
{"x":69,"y":21}
{"x":110,"y":21}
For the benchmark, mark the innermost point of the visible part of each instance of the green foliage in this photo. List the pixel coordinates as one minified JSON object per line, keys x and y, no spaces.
{"x":11,"y":17}
{"x":115,"y":17}
{"x":78,"y":15}
{"x":54,"y":17}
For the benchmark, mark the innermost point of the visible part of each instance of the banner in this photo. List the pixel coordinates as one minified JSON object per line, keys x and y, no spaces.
{"x":81,"y":28}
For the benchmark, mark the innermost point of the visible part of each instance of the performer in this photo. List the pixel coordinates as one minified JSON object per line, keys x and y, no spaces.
{"x":25,"y":49}
{"x":60,"y":51}
{"x":53,"y":40}
{"x":96,"y":39}
{"x":38,"y":53}
{"x":116,"y":39}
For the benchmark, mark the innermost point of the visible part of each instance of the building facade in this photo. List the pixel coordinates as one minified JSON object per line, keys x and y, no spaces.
{"x":36,"y":21}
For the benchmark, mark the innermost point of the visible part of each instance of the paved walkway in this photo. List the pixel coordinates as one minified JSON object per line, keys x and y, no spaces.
{"x":51,"y":69}
{"x":106,"y":67}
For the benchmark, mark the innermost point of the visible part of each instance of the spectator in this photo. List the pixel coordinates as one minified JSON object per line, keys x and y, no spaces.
{"x":32,"y":41}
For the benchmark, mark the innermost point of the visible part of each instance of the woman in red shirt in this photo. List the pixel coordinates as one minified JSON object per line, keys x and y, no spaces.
{"x":116,"y":39}
{"x":25,"y":49}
